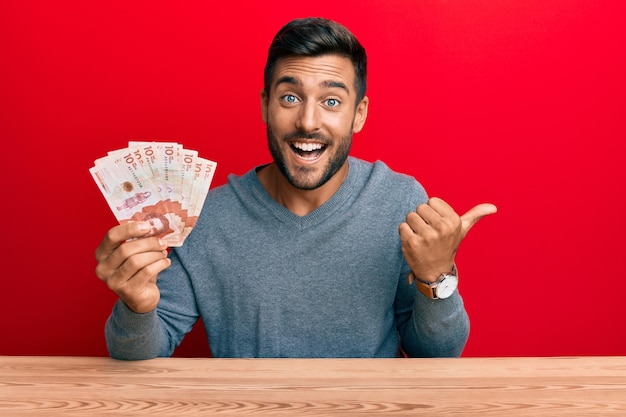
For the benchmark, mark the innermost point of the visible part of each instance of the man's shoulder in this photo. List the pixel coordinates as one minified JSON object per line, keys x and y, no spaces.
{"x":234,"y":183}
{"x":227,"y":196}
{"x":379,"y":172}
{"x":387,"y":187}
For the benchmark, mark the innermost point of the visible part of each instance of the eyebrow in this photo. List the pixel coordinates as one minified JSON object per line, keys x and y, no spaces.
{"x":324,"y":84}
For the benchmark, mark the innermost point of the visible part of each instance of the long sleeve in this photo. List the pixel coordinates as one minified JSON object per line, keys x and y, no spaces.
{"x":436,"y":328}
{"x":133,"y":336}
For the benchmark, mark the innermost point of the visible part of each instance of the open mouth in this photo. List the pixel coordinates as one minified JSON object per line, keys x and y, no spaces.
{"x":309,"y":151}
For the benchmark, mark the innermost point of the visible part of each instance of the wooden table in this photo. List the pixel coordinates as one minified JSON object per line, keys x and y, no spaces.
{"x":81,"y":386}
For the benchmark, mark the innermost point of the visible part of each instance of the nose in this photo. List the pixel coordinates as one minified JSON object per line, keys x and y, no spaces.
{"x":309,"y":117}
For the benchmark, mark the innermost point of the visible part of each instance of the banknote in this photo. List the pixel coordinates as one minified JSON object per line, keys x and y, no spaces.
{"x":162,"y":183}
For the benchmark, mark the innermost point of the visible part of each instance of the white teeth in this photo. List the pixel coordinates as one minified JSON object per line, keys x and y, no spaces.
{"x":308,"y":147}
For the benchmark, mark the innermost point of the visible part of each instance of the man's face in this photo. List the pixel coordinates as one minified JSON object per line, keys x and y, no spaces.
{"x":311,"y":114}
{"x":156,"y":226}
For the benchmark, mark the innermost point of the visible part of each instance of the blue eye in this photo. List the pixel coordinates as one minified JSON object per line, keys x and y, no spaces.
{"x":332,"y":102}
{"x":290,"y":98}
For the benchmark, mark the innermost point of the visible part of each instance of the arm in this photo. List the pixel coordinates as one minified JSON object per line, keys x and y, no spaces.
{"x":434,"y":328}
{"x":134,"y":336}
{"x":430,"y":239}
{"x":129,"y":267}
{"x":131,"y":335}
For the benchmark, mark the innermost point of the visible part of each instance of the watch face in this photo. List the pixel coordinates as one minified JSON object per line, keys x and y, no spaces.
{"x":446,"y":287}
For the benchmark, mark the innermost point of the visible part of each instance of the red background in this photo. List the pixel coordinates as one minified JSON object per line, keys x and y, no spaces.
{"x":519,"y":103}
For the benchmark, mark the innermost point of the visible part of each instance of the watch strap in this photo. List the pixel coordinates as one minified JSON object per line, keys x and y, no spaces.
{"x":425,"y":288}
{"x":429,"y":288}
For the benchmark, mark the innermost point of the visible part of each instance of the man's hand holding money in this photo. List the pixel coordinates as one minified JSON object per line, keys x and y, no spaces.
{"x":129,"y":266}
{"x":156,"y":191}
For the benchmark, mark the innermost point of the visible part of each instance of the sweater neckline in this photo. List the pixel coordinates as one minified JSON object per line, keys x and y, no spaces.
{"x":284,"y":215}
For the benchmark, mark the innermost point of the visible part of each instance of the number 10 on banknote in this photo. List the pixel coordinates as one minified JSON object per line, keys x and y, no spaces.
{"x":159,"y":182}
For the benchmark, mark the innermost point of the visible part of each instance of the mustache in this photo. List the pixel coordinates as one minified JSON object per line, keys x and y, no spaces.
{"x":299,"y":134}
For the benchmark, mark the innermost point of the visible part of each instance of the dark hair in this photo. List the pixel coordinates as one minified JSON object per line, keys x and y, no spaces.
{"x":314,"y":37}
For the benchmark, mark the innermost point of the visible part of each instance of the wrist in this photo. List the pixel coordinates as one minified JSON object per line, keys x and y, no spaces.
{"x":443,"y":287}
{"x":431,"y":276}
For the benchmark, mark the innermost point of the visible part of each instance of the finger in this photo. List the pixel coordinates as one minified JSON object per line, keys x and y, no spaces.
{"x":140,"y":292}
{"x":118,"y":234}
{"x":139,"y":261}
{"x":469,"y":219}
{"x":130,"y":249}
{"x":440,"y":207}
{"x":428,"y":213}
{"x":139,"y":270}
{"x":110,"y":266}
{"x":416,"y":220}
{"x":406,"y":232}
{"x":438,"y":214}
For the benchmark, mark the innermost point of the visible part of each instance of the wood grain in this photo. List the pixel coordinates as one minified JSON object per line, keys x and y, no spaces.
{"x":81,"y":386}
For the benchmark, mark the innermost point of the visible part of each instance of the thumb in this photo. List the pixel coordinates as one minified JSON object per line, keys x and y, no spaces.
{"x":469,"y":219}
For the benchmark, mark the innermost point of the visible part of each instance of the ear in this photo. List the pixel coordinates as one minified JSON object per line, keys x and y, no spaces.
{"x":264,"y":103}
{"x":361,"y":115}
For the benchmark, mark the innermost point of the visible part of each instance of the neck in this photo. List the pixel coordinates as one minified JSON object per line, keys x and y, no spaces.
{"x":299,"y":202}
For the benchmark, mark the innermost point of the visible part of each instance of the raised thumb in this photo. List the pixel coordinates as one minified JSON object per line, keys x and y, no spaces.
{"x":469,"y":219}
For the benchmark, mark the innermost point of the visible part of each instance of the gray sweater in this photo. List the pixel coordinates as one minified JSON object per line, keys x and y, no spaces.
{"x":269,"y":283}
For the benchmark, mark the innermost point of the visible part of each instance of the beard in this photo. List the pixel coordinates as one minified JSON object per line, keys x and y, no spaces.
{"x":305,"y":178}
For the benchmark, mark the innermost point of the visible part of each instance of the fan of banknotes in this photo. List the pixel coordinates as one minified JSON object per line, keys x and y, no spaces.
{"x":159,"y":182}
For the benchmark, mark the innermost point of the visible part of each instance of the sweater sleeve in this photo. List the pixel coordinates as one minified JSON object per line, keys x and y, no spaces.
{"x":436,"y":328}
{"x":428,"y":328}
{"x":134,"y":336}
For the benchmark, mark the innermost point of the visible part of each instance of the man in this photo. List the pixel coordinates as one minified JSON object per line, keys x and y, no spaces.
{"x":316,"y":254}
